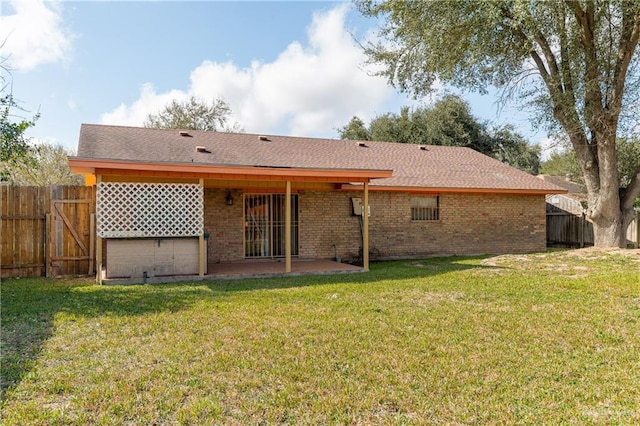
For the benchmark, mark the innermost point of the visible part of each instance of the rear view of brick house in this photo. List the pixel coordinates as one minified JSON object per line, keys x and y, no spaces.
{"x":275,"y":197}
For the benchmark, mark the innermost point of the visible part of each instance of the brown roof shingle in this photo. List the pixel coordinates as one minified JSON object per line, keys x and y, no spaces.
{"x":413,"y":166}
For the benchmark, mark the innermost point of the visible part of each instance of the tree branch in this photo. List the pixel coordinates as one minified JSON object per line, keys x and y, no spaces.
{"x":567,"y":75}
{"x":593,"y":95}
{"x":629,"y":38}
{"x":548,"y":54}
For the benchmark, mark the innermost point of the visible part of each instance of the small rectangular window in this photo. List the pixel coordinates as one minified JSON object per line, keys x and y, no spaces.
{"x":425,"y":208}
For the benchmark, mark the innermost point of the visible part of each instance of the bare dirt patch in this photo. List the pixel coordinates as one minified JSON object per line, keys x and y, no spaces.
{"x":591,"y":252}
{"x":560,"y":261}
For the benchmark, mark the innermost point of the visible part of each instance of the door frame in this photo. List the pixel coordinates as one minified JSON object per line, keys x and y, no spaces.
{"x":272,"y":234}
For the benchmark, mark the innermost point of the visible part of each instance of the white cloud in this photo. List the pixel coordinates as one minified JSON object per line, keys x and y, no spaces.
{"x":308,"y":90}
{"x":149,"y":102}
{"x":33,"y":34}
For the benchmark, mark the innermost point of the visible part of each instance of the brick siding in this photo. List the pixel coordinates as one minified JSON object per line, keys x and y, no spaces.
{"x":469,"y":224}
{"x":224,"y":225}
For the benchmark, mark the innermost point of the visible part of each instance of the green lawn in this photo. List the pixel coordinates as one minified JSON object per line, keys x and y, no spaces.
{"x":548,"y":338}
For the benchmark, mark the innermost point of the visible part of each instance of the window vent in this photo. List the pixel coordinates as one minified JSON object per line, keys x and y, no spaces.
{"x":202,"y":149}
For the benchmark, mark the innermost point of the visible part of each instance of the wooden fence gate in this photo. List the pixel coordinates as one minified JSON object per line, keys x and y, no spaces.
{"x":71,"y":238}
{"x":47,"y":231}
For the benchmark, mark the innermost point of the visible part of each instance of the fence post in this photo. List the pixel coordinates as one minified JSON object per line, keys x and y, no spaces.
{"x":47,"y":245}
{"x":92,"y":242}
{"x":582,"y":224}
{"x":637,"y":244}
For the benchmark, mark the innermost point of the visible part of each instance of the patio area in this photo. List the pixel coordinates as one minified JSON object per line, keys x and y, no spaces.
{"x":251,"y":269}
{"x":275,"y":268}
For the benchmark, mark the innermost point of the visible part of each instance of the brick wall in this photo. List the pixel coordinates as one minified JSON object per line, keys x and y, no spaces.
{"x":224,"y":225}
{"x":469,"y":224}
{"x":325,"y":220}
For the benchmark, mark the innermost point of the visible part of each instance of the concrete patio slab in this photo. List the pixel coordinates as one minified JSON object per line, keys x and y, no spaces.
{"x":251,"y":269}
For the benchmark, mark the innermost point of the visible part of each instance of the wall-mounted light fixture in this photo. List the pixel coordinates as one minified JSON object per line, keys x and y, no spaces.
{"x":229,"y":198}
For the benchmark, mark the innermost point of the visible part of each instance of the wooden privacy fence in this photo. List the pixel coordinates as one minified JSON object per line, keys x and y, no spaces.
{"x":47,"y":231}
{"x":633,"y":231}
{"x":572,"y":230}
{"x":567,"y":229}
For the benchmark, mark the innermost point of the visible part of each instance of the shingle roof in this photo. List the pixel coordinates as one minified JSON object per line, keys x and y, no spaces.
{"x":563,"y":182}
{"x":412,"y":165}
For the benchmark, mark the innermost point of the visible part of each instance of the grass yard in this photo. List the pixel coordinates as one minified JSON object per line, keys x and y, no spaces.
{"x":548,"y":338}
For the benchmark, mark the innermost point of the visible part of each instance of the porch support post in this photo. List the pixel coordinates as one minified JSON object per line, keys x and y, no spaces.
{"x":201,"y":251}
{"x":287,"y":228}
{"x":98,"y":241}
{"x":365,"y":227}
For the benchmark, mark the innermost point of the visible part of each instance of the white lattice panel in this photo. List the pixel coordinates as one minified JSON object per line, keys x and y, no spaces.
{"x":125,"y":210}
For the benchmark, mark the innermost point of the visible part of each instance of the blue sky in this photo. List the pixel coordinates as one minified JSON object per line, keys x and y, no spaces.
{"x":290,"y":68}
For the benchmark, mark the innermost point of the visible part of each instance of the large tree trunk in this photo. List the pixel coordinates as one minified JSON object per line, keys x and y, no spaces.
{"x":598,"y":161}
{"x":609,"y":232}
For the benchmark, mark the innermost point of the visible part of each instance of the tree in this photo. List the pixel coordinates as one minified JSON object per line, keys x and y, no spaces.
{"x":194,"y":114}
{"x":355,"y":129}
{"x":14,"y":145}
{"x":48,"y":166}
{"x":511,"y":148}
{"x":565,"y":163}
{"x":572,"y":59}
{"x":448,"y":122}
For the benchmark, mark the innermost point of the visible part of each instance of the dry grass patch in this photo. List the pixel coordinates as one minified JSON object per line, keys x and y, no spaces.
{"x":432,"y":341}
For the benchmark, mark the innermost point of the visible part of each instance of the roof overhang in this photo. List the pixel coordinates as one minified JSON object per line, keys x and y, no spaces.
{"x":221,"y":171}
{"x":438,"y":190}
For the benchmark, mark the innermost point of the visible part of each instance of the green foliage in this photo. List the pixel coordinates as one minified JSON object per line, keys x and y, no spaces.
{"x":546,"y":338}
{"x":513,"y":149}
{"x":448,"y":122}
{"x":477,"y":44}
{"x":355,"y":129}
{"x":461,"y":42}
{"x":194,"y":114}
{"x":565,"y":163}
{"x":48,"y":165}
{"x":14,"y":145}
{"x":628,"y":150}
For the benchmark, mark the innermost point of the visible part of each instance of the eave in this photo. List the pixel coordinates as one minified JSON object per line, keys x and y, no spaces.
{"x":441,"y":190}
{"x":222,"y":171}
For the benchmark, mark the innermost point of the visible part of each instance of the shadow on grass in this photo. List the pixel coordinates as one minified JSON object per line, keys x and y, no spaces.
{"x":30,"y":306}
{"x":379,"y":271}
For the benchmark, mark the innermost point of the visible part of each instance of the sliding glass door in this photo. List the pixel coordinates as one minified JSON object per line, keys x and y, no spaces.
{"x":264,"y":225}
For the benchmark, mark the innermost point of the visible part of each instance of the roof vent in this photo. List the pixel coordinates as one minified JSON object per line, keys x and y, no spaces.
{"x":185,"y":134}
{"x":363,"y":145}
{"x":424,"y":148}
{"x":264,"y":138}
{"x":202,"y":149}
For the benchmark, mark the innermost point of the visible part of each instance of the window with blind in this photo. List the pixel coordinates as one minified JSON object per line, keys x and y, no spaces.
{"x":425,"y":208}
